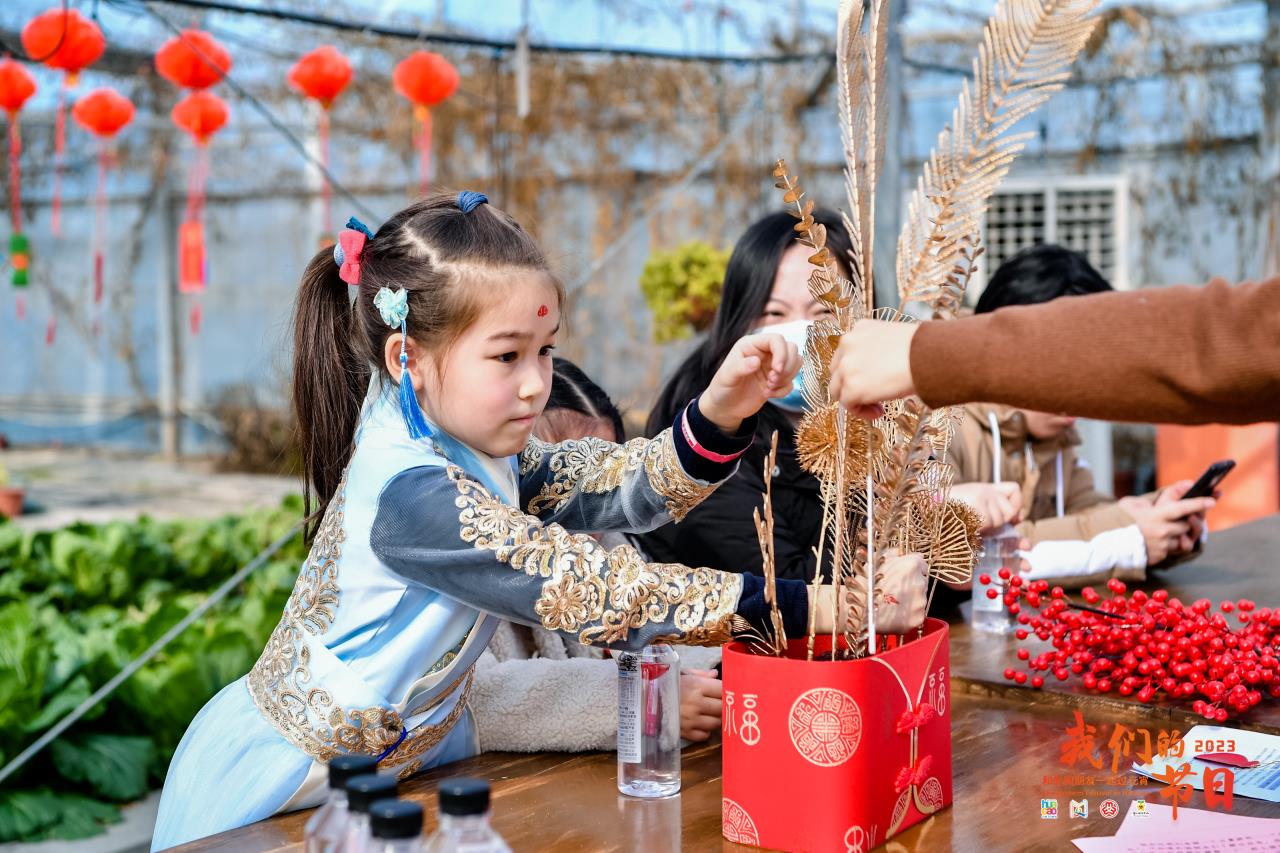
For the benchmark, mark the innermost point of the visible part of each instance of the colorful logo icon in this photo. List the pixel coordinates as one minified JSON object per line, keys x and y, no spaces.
{"x":1048,"y":809}
{"x":1140,"y":809}
{"x":1109,"y":808}
{"x":1079,"y":808}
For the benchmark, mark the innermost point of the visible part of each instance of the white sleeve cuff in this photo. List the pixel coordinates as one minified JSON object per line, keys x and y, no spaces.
{"x":1122,"y":548}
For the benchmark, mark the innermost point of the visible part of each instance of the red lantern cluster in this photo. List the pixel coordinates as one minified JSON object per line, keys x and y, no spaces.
{"x":16,"y":87}
{"x":1149,"y":647}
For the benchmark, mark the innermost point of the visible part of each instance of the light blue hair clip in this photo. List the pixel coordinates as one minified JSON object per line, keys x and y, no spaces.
{"x":393,"y":306}
{"x":469,"y":201}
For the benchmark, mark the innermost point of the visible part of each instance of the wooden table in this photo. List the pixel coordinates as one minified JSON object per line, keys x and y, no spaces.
{"x":1005,"y":741}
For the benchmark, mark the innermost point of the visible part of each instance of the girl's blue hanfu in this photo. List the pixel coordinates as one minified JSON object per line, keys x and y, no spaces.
{"x":425,"y":545}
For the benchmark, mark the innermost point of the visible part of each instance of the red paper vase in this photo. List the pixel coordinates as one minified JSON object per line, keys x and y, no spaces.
{"x":835,"y":755}
{"x":426,"y":79}
{"x":193,"y":60}
{"x":62,"y":39}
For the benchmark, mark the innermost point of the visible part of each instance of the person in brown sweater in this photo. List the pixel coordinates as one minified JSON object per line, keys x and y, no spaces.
{"x":1186,"y":355}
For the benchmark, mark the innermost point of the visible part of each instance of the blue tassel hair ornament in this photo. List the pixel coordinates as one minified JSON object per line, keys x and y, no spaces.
{"x":393,"y":306}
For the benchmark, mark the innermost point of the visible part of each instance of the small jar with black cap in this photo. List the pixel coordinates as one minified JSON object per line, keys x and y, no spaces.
{"x":363,"y":792}
{"x":396,"y":826}
{"x":327,"y":828}
{"x":464,"y":819}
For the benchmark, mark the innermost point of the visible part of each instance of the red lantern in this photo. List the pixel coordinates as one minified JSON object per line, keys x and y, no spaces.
{"x":426,"y":79}
{"x":65,"y":40}
{"x":193,"y":60}
{"x":102,"y":112}
{"x":16,"y":86}
{"x":322,"y":75}
{"x":201,"y":114}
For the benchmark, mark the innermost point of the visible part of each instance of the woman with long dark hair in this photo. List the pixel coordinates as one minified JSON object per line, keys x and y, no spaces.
{"x":766,"y":284}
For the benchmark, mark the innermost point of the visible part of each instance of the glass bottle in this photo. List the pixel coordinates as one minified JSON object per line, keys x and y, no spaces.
{"x":396,"y":827}
{"x":327,"y":828}
{"x":464,"y":819}
{"x":649,"y":721}
{"x":999,"y":551}
{"x":363,"y":792}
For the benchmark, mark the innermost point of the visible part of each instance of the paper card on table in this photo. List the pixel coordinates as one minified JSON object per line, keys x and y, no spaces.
{"x":1192,"y":821}
{"x":1170,"y":841}
{"x":1259,"y":783}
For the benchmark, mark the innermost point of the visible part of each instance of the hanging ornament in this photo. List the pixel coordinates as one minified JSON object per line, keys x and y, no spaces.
{"x":322,"y":75}
{"x":16,"y":86}
{"x":195,"y":60}
{"x":64,"y":40}
{"x":102,"y":112}
{"x":426,"y":79}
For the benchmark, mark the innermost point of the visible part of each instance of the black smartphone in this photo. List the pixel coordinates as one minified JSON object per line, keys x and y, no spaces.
{"x":1210,"y":479}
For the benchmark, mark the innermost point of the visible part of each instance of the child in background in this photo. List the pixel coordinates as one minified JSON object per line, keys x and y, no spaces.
{"x":535,"y":689}
{"x":1021,"y":466}
{"x":439,"y":515}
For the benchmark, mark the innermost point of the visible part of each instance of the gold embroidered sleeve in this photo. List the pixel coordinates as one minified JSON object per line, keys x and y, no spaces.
{"x":601,"y":596}
{"x":635,"y":486}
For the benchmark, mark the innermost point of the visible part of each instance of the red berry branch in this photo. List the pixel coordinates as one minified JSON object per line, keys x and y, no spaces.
{"x":1148,"y":646}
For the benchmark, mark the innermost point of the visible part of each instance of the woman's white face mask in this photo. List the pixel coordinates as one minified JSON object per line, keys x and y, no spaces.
{"x":796,"y":332}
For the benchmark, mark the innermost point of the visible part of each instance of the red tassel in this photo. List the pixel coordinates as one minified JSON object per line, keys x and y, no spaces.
{"x":51,"y":330}
{"x":20,"y":306}
{"x":195,"y":318}
{"x":15,"y":173}
{"x":424,"y":149}
{"x":326,"y":192}
{"x":100,"y":223}
{"x":59,"y":146}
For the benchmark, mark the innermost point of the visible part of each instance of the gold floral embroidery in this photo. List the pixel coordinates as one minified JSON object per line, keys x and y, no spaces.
{"x":280,"y":683}
{"x":595,"y":466}
{"x":601,"y":594}
{"x":404,"y":759}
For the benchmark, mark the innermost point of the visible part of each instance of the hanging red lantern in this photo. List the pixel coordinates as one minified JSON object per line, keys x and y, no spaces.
{"x":426,"y":79}
{"x":102,"y":112}
{"x":201,"y":114}
{"x":65,"y":40}
{"x":322,"y":75}
{"x":193,"y":60}
{"x":16,"y":87}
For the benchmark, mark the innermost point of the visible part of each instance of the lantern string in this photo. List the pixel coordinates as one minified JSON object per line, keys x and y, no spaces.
{"x":326,"y":192}
{"x":59,"y":149}
{"x":100,"y":224}
{"x":424,"y":150}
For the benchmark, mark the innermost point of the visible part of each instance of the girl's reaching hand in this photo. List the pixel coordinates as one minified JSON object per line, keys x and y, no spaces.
{"x":700,"y":708}
{"x":758,"y":368}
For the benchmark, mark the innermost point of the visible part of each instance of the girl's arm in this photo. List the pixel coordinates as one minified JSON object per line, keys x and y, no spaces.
{"x":590,"y":485}
{"x":437,"y":527}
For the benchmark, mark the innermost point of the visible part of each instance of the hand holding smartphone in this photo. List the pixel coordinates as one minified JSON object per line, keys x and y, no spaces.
{"x":1209,"y":480}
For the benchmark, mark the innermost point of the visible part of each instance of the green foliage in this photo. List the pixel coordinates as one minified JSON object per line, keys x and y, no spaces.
{"x":76,"y":605}
{"x":682,"y":289}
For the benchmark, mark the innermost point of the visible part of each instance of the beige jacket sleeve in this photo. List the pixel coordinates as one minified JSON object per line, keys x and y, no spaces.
{"x":1088,"y":511}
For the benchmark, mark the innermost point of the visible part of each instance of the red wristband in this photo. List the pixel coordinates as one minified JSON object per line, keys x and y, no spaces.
{"x":698,"y":448}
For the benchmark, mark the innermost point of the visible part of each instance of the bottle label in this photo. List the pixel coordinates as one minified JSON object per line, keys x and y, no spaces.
{"x":629,"y":708}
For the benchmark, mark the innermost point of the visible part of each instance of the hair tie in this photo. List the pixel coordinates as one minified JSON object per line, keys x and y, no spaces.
{"x":349,"y":249}
{"x":469,"y":201}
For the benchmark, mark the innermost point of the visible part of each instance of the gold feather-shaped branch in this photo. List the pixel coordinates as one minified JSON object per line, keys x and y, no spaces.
{"x":1027,"y":48}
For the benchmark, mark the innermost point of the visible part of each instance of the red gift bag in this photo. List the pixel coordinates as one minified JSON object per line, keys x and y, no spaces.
{"x":840,"y":756}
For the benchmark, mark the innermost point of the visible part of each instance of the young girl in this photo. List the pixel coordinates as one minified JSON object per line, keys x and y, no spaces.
{"x":439,"y":516}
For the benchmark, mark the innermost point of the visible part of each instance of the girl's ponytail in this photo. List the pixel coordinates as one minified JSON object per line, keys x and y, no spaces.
{"x":330,"y":377}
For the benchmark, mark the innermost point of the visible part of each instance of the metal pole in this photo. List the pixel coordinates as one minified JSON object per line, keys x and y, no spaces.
{"x":167,"y":347}
{"x":889,"y":188}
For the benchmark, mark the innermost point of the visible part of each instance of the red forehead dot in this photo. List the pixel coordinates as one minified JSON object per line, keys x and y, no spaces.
{"x":542,"y":310}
